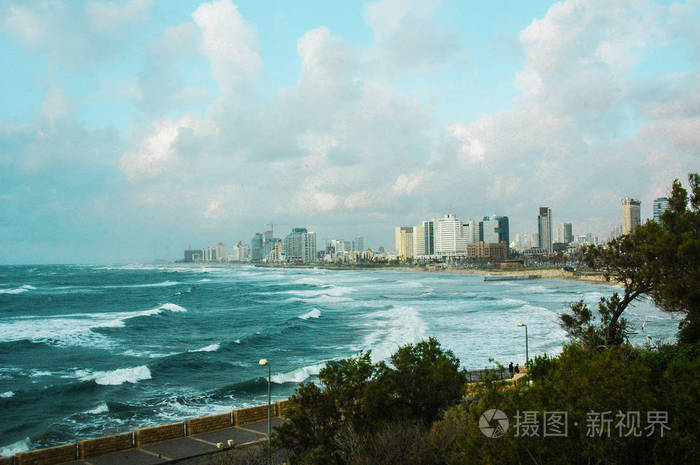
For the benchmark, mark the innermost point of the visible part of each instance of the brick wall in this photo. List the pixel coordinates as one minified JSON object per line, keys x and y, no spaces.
{"x":210,"y":423}
{"x":159,"y":433}
{"x":105,"y":445}
{"x":252,"y":414}
{"x":48,"y":456}
{"x":282,"y":407}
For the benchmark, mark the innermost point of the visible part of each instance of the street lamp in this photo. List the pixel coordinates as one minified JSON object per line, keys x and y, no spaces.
{"x":527,"y":354}
{"x":263,"y":362}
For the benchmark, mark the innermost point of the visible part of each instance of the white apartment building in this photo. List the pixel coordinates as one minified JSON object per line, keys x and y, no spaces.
{"x":449,"y":237}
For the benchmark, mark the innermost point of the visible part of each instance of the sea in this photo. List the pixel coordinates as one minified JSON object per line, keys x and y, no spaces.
{"x":90,"y":350}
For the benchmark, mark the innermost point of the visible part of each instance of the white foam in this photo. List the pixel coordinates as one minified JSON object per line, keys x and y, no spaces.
{"x":332,"y":291}
{"x":512,"y":302}
{"x":299,"y":375}
{"x":15,"y":447}
{"x":118,"y":376}
{"x":237,"y":341}
{"x":74,"y":328}
{"x":205,"y":280}
{"x":7,"y":395}
{"x":539,"y":289}
{"x":102,"y":408}
{"x":315,"y":313}
{"x":393,"y":328}
{"x":209,"y":348}
{"x":172,"y":307}
{"x":309,"y":281}
{"x":410,"y":284}
{"x":37,"y":373}
{"x":18,"y":290}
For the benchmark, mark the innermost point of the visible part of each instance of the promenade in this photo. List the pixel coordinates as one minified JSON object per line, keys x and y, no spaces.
{"x":184,"y":442}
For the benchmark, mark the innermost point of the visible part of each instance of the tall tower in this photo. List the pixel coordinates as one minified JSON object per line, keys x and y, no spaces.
{"x":660,"y":206}
{"x":544,"y":229}
{"x":630,"y":215}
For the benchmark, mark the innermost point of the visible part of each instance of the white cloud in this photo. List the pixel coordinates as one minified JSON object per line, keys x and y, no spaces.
{"x":113,"y":17}
{"x":230,"y":43}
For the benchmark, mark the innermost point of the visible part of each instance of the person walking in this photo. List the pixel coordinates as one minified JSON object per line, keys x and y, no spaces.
{"x":517,"y":368}
{"x":510,"y":369}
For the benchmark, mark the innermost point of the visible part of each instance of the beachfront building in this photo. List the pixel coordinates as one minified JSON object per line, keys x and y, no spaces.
{"x":660,"y":206}
{"x":300,"y":246}
{"x":565,"y":233}
{"x":403,"y":237}
{"x":630,"y":215}
{"x":486,"y":250}
{"x":449,"y":239}
{"x":470,"y":231}
{"x":544,"y":229}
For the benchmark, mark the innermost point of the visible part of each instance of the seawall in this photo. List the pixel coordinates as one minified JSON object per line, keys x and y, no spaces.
{"x":87,"y":448}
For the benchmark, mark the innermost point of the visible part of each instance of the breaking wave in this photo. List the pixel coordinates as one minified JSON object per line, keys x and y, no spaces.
{"x":209,"y":348}
{"x":18,"y":290}
{"x":299,"y":375}
{"x":118,"y":376}
{"x":315,"y":313}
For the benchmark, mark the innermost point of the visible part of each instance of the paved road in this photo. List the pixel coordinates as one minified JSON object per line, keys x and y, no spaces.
{"x":183,"y":448}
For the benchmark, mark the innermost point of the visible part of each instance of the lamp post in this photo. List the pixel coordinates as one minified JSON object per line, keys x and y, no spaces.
{"x":263,"y":362}
{"x":527,"y":354}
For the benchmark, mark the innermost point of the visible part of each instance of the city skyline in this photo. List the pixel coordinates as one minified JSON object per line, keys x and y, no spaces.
{"x":132,"y":128}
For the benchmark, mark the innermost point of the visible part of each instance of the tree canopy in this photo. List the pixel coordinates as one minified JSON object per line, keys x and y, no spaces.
{"x":661,"y":260}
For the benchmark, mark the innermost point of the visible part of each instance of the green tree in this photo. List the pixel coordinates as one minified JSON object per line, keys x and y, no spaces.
{"x":357,"y":398}
{"x":424,"y":380}
{"x":678,"y":288}
{"x":658,"y":259}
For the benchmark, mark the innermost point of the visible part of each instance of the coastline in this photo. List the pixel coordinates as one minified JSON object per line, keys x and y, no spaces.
{"x":540,"y":273}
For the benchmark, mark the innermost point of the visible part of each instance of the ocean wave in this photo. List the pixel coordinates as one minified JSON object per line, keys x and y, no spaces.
{"x":538,"y":288}
{"x":315,"y":313}
{"x":209,"y":348}
{"x":18,"y":290}
{"x":19,"y":446}
{"x":74,"y":328}
{"x":393,"y":328}
{"x":102,"y":408}
{"x":309,"y":281}
{"x":118,"y":376}
{"x":512,"y":302}
{"x":321,"y":299}
{"x":7,"y":395}
{"x":332,"y":291}
{"x":299,"y":375}
{"x":409,"y":284}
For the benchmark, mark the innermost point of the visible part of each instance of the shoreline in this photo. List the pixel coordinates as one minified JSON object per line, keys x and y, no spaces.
{"x":540,"y":273}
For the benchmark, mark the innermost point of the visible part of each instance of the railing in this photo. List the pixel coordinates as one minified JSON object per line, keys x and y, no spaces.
{"x":477,"y":375}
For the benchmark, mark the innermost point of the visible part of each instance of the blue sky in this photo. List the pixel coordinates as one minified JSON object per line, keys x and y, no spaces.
{"x":130,"y":129}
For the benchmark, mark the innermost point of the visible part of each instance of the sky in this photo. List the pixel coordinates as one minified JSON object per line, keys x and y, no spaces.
{"x":132,"y":129}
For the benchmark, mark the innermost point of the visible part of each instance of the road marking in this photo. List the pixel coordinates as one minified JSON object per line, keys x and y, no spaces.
{"x":155,"y":454}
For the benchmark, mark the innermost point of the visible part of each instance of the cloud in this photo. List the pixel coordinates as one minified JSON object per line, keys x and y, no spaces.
{"x":75,"y":35}
{"x":230,"y":43}
{"x":348,"y":146}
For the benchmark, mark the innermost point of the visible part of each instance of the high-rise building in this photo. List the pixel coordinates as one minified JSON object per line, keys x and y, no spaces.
{"x":660,"y":206}
{"x":630,"y":215}
{"x":256,"y":247}
{"x":220,"y":251}
{"x":544,"y":229}
{"x":358,"y":245}
{"x":403,"y":236}
{"x":565,"y":233}
{"x":418,"y":240}
{"x":300,"y":245}
{"x":470,"y":231}
{"x":449,"y":240}
{"x":309,"y":252}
